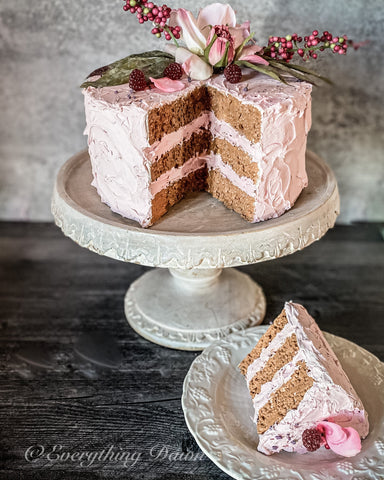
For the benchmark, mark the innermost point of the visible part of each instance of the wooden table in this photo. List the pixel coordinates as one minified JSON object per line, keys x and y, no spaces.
{"x":83,"y":396}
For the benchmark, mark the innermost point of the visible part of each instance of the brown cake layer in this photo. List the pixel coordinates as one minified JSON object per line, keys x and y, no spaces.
{"x":171,"y":116}
{"x":199,"y":143}
{"x":239,"y":160}
{"x":243,"y":117}
{"x":281,"y":357}
{"x":167,"y":197}
{"x":232,"y":196}
{"x":284,"y":399}
{"x":264,"y":341}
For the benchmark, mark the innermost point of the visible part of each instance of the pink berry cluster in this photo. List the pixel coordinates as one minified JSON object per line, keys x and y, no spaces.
{"x":284,"y":48}
{"x":158,"y":15}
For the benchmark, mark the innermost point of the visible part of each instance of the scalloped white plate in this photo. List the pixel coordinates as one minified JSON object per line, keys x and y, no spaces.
{"x":218,"y":411}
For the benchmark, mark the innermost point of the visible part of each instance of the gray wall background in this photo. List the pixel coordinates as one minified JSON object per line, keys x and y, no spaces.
{"x":48,"y":46}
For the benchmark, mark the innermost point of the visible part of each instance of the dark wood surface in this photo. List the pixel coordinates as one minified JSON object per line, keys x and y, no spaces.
{"x":74,"y":374}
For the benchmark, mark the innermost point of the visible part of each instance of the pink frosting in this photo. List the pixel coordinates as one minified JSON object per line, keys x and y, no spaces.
{"x":176,"y":174}
{"x":342,"y":440}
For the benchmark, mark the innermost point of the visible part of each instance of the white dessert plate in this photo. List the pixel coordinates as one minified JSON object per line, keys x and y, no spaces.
{"x":218,"y":411}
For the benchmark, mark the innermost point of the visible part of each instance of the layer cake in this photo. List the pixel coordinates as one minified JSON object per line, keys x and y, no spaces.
{"x":243,"y":143}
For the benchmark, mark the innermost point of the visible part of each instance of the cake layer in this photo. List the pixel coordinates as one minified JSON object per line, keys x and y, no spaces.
{"x":240,"y":161}
{"x":286,"y":398}
{"x":245,"y":118}
{"x":173,"y":193}
{"x":215,"y":162}
{"x":201,"y":143}
{"x":175,"y":174}
{"x":232,"y":197}
{"x":171,"y":140}
{"x":281,"y":357}
{"x":264,"y":342}
{"x":171,"y":116}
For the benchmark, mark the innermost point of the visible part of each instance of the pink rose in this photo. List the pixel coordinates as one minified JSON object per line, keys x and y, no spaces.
{"x":343,"y":441}
{"x":220,"y":46}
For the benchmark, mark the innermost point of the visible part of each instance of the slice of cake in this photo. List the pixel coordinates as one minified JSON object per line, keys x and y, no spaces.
{"x":302,"y":397}
{"x":244,"y":143}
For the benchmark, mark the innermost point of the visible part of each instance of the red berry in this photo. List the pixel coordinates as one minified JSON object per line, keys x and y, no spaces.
{"x":174,"y":71}
{"x":137,"y":80}
{"x":312,"y":439}
{"x":233,"y":73}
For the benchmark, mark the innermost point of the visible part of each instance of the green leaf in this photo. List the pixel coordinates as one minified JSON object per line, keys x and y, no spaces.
{"x":208,"y":47}
{"x":266,"y":69}
{"x":300,"y":68}
{"x":151,"y":63}
{"x":301,"y":76}
{"x":240,"y":48}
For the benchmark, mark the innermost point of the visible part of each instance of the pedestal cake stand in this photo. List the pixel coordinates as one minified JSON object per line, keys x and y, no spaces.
{"x":194,"y":298}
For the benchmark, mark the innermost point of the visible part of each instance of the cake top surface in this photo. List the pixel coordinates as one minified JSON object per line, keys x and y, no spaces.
{"x":259,"y":90}
{"x":123,"y":95}
{"x":262,"y":91}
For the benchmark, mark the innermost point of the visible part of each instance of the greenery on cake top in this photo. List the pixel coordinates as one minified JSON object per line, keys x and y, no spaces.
{"x":214,"y":42}
{"x":117,"y":73}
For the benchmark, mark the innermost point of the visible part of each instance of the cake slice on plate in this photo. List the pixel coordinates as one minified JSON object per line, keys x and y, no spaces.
{"x":302,"y":397}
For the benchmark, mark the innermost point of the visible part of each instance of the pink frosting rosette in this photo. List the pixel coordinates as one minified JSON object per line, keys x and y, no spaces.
{"x":344,"y":441}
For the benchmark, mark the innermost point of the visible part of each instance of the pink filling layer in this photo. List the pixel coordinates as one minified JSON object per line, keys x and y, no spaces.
{"x":176,"y":174}
{"x":181,"y":135}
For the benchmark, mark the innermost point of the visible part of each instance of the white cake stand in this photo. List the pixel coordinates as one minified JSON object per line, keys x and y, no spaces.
{"x":191,"y":301}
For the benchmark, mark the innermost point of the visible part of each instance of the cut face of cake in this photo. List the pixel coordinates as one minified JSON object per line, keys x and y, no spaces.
{"x":244,"y":143}
{"x":298,"y":385}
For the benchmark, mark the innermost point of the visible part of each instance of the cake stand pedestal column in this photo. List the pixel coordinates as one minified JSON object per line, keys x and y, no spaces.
{"x":193,"y":297}
{"x":191,"y":308}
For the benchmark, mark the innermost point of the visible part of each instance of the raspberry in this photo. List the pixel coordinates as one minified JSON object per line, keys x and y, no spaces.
{"x":174,"y":71}
{"x":137,"y":80}
{"x":233,"y":73}
{"x":312,"y":439}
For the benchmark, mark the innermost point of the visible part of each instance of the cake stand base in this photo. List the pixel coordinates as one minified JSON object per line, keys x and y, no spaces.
{"x":189,"y":309}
